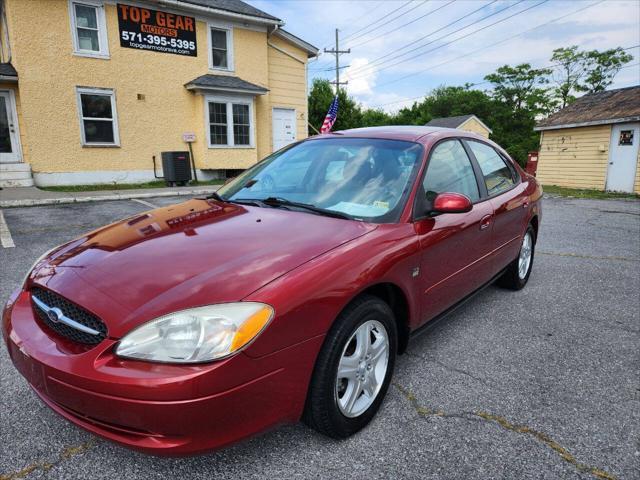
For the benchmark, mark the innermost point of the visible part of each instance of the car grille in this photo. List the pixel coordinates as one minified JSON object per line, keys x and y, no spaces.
{"x":72,"y":311}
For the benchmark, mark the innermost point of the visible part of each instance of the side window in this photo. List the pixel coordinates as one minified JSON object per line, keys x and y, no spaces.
{"x":98,"y":120}
{"x":497,"y":175}
{"x":450,"y":170}
{"x":89,"y":29}
{"x":220,"y":48}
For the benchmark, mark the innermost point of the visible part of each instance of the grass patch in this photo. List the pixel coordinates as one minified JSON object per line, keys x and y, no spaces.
{"x":123,"y":186}
{"x":586,"y":193}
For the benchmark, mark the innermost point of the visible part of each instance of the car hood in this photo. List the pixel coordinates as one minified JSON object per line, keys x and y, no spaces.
{"x":195,"y":253}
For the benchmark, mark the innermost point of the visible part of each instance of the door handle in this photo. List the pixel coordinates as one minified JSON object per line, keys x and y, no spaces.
{"x":485,"y":222}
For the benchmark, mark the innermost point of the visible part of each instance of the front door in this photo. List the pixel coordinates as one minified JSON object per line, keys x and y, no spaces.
{"x":623,"y":156}
{"x":9,"y":147}
{"x":284,"y":127}
{"x":456,"y":247}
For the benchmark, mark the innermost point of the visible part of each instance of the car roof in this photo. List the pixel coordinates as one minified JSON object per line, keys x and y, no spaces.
{"x":412,"y":133}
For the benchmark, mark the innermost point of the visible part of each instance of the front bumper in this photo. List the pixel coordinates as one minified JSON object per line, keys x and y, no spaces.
{"x":158,"y":408}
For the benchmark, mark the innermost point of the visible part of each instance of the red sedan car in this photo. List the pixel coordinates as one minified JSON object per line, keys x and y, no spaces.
{"x":286,"y":295}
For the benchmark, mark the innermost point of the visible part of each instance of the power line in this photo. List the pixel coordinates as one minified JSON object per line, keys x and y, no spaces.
{"x":376,"y":62}
{"x":378,"y":20}
{"x":387,"y":21}
{"x":409,"y":23}
{"x":367,"y":14}
{"x":485,"y":47}
{"x":502,"y":41}
{"x":361,"y":73}
{"x":368,"y":25}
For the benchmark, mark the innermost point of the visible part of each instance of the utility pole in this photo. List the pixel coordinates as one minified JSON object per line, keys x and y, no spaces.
{"x":336,"y":51}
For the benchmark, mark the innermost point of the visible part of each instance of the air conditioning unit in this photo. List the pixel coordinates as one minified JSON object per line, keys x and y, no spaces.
{"x":176,"y":168}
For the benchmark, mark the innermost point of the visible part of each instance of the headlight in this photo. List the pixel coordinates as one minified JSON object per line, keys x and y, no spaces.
{"x":197,"y":335}
{"x":40,"y":258}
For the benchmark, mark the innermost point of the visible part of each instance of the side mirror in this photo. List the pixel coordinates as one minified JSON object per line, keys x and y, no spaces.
{"x":450,"y":202}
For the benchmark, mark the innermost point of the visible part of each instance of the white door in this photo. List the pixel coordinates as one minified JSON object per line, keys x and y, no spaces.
{"x":9,"y":147}
{"x":623,"y":156}
{"x":284,"y":127}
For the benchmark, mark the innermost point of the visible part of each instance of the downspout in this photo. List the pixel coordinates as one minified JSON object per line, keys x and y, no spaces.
{"x":3,"y":19}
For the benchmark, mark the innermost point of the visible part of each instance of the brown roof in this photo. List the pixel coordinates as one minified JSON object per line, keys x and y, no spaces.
{"x":235,"y":6}
{"x":611,"y":106}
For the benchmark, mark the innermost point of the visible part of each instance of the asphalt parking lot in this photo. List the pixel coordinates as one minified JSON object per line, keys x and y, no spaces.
{"x":543,"y":383}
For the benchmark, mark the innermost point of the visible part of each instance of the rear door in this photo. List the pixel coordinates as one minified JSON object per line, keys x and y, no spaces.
{"x":506,"y":194}
{"x":455,"y":247}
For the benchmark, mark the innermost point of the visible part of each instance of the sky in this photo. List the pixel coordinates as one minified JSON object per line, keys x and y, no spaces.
{"x":400,"y":50}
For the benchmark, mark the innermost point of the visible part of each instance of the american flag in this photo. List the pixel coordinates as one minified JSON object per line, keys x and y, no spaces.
{"x":330,"y":119}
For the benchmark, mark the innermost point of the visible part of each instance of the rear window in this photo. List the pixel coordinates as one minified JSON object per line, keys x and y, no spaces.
{"x":498,"y":175}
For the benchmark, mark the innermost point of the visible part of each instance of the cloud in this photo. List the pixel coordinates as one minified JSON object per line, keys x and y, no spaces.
{"x":360,"y":83}
{"x":608,"y":24}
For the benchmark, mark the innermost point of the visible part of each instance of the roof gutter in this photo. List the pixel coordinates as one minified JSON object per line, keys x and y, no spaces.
{"x":607,"y":121}
{"x":216,"y":11}
{"x":312,"y":52}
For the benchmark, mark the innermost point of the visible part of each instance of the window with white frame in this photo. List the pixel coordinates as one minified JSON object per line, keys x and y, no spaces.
{"x":98,"y":119}
{"x":89,"y":28}
{"x":220,"y":48}
{"x":230,"y":122}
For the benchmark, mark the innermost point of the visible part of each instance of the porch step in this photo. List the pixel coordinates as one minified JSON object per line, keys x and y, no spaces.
{"x":15,"y":175}
{"x":15,"y":167}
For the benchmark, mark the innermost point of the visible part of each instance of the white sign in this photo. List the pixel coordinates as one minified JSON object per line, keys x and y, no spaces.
{"x":189,"y":137}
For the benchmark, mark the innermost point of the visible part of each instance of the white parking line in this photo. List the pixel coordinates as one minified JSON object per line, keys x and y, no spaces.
{"x":5,"y":234}
{"x":143,"y":202}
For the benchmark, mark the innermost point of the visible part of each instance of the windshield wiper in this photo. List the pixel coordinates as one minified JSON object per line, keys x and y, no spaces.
{"x":283,"y":202}
{"x":241,"y":201}
{"x":215,"y":196}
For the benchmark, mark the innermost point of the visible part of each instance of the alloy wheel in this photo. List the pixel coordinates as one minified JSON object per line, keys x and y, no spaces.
{"x":362,"y":368}
{"x":524,"y":260}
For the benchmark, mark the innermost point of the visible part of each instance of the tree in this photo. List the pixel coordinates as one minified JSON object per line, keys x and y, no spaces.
{"x":320,"y":97}
{"x":446,"y":102}
{"x":568,"y":71}
{"x":520,"y":87}
{"x":602,"y":67}
{"x":374,"y":118}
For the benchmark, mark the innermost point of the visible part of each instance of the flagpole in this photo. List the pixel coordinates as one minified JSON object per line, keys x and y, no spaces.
{"x":314,"y":128}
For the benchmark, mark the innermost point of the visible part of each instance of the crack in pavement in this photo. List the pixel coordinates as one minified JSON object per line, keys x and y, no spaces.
{"x":590,"y":257}
{"x":449,"y":368}
{"x":66,"y":454}
{"x":482,"y":416}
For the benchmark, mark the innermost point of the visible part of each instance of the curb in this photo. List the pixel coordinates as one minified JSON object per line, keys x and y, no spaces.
{"x":101,"y":198}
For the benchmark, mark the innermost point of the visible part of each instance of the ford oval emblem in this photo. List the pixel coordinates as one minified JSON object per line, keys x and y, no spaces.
{"x":54,"y":315}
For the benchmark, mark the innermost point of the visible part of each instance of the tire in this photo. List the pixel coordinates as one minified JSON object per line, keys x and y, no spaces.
{"x":515,"y":278}
{"x":327,"y":408}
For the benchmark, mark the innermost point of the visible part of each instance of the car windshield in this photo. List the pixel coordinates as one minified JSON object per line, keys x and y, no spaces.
{"x":360,"y":178}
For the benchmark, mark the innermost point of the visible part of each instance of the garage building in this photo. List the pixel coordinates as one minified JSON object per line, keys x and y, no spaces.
{"x":593,"y":143}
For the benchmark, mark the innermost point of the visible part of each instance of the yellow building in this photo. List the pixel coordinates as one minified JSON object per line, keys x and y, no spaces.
{"x":468,"y":123}
{"x":593,"y":143}
{"x":92,"y":90}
